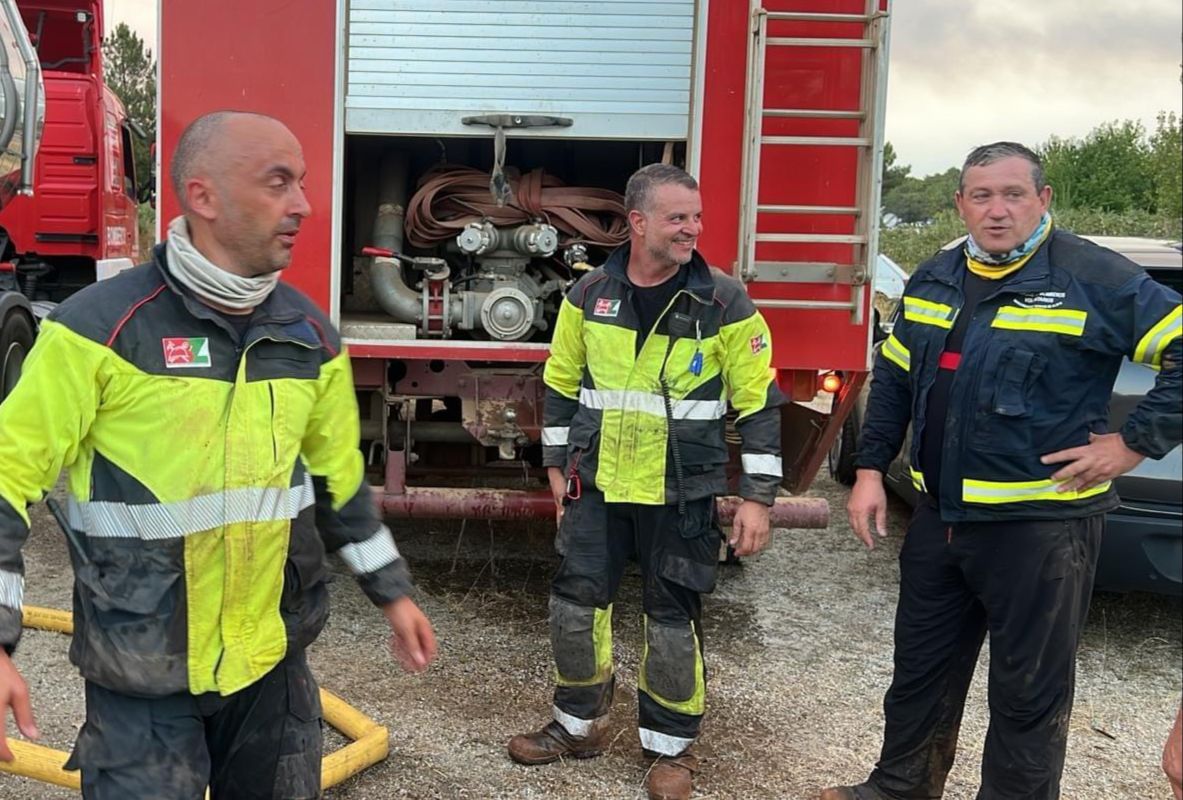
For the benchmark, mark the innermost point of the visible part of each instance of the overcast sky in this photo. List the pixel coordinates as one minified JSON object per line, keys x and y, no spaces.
{"x":965,"y":73}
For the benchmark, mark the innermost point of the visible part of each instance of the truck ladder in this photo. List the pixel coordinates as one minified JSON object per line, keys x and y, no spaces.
{"x":865,"y":212}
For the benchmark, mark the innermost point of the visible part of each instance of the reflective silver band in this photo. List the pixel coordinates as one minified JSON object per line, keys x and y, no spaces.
{"x":575,"y":726}
{"x":555,"y":437}
{"x":371,"y":555}
{"x":154,"y":521}
{"x":755,"y":464}
{"x":648,"y":403}
{"x":12,"y":589}
{"x":663,"y":743}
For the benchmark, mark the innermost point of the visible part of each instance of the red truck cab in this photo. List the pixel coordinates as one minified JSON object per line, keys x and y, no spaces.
{"x":80,"y":223}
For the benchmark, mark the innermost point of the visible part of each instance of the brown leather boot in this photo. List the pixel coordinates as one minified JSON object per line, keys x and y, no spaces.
{"x":670,"y":777}
{"x":861,"y":792}
{"x":553,"y":742}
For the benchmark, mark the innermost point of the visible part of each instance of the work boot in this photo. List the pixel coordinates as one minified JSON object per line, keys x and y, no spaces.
{"x":553,"y":742}
{"x":670,"y":777}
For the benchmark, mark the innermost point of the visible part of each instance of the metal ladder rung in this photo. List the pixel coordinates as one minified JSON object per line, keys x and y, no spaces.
{"x":810,"y":41}
{"x":808,"y":210}
{"x":837,"y":141}
{"x":808,"y":16}
{"x":805,"y":305}
{"x":811,"y":238}
{"x":814,"y":113}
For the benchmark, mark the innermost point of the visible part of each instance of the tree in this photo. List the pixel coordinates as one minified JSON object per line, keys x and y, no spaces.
{"x":130,"y":70}
{"x":893,"y":176}
{"x":1166,"y":165}
{"x":1109,"y":169}
{"x":921,"y":199}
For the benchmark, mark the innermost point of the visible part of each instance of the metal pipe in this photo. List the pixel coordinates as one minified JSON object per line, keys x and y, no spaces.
{"x":34,"y":108}
{"x":449,"y":503}
{"x":393,"y":296}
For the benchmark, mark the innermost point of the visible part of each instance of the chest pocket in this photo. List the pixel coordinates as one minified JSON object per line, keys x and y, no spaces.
{"x":1001,"y":419}
{"x":268,"y":360}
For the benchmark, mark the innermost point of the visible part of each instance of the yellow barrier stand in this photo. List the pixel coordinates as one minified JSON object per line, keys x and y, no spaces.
{"x":370,"y":741}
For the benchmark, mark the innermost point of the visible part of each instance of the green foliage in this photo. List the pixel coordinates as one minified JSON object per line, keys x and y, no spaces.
{"x":893,"y":176}
{"x":909,"y":245}
{"x":130,"y":70}
{"x":146,"y":218}
{"x":1109,"y":169}
{"x":922,"y":199}
{"x":1166,"y":164}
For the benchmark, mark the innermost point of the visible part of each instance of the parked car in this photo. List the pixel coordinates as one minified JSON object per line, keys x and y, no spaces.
{"x":1142,"y":549}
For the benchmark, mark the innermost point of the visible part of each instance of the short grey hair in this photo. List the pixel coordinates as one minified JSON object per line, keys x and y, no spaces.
{"x":986,"y":154}
{"x":638,"y":194}
{"x":196,"y":140}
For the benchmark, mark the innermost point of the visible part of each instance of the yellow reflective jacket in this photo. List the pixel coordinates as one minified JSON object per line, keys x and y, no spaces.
{"x":208,"y":474}
{"x":611,"y":405}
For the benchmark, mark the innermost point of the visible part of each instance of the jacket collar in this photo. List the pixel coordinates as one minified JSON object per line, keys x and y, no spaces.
{"x":275,"y":317}
{"x":949,"y":268}
{"x":698,"y":273}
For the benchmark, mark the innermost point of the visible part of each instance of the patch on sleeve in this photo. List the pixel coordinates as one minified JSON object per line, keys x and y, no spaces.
{"x":759,"y":344}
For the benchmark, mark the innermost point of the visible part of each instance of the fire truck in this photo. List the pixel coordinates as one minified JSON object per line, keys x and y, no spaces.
{"x":465,"y":159}
{"x":69,"y":215}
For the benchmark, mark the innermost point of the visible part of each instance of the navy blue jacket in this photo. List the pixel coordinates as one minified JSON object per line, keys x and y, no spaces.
{"x":1036,"y":374}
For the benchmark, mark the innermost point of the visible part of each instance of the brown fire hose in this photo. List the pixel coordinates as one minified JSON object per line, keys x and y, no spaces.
{"x":451,"y":197}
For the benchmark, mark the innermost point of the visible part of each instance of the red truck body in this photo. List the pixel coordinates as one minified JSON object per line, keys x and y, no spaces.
{"x":777,"y":108}
{"x":80,"y":223}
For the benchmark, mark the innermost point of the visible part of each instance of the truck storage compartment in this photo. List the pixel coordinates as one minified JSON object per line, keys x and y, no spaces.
{"x":442,"y":244}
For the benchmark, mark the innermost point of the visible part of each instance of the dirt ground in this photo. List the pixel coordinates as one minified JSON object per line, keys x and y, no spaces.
{"x":798,"y":650}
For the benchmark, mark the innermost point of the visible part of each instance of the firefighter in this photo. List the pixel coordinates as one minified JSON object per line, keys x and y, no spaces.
{"x":1003,"y":360}
{"x":206,"y":418}
{"x":647,"y":351}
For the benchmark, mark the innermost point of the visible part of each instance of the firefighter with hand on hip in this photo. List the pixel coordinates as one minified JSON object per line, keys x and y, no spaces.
{"x":206,"y":417}
{"x":1003,"y":362}
{"x":646,"y":353}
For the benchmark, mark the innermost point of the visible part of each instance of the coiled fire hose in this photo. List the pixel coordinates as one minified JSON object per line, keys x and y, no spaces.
{"x":450,"y":197}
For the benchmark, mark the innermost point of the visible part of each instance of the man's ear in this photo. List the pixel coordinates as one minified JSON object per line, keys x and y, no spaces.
{"x":201,"y":198}
{"x":636,"y":222}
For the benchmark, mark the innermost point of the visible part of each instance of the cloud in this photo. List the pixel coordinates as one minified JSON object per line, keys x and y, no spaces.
{"x":962,"y":74}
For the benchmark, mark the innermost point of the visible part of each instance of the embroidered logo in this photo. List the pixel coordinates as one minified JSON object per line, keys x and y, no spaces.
{"x":758,"y":344}
{"x":1041,"y":300}
{"x":606,"y":307}
{"x":180,"y":353}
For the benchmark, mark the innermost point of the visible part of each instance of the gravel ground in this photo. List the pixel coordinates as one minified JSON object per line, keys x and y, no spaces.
{"x":799,"y":654}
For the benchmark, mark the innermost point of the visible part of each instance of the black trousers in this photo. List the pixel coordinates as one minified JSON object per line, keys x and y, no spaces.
{"x":1028,"y":585}
{"x":261,"y":743}
{"x":678,"y":557}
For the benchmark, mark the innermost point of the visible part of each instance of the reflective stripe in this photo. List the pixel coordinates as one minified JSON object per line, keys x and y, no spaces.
{"x":12,"y":589}
{"x":579,"y":728}
{"x":371,"y":555}
{"x":152,"y":521}
{"x":648,"y":403}
{"x":1151,"y":346}
{"x":927,"y":312}
{"x":663,"y":743}
{"x":1067,"y":321}
{"x":895,"y":352}
{"x":994,"y":492}
{"x":754,"y":464}
{"x":918,"y":479}
{"x":555,"y":437}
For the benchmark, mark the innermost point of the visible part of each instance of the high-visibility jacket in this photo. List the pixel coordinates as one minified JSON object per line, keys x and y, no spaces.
{"x":208,"y":474}
{"x":609,"y":405}
{"x":1035,"y":376}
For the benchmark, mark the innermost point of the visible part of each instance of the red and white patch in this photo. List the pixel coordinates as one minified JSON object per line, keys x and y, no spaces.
{"x":758,"y":343}
{"x":182,"y":352}
{"x":606,"y":307}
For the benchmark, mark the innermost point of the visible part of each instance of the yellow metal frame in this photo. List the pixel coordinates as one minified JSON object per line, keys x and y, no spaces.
{"x":370,"y":741}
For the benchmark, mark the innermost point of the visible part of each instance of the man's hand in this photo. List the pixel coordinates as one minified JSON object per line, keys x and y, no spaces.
{"x":749,"y":528}
{"x":14,"y":694}
{"x":1172,"y":756}
{"x":558,"y":488}
{"x":1102,"y":459}
{"x":868,"y":499}
{"x":413,"y":645}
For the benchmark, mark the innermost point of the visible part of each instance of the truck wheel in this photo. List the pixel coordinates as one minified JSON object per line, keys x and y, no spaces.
{"x":841,"y":455}
{"x":16,"y":339}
